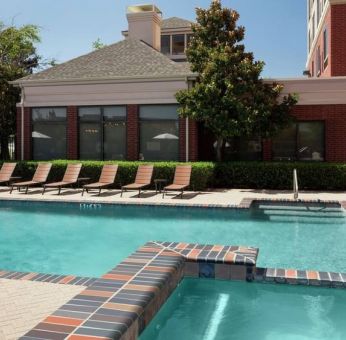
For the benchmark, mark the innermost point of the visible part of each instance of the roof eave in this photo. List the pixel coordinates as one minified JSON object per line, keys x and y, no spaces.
{"x":102,"y":80}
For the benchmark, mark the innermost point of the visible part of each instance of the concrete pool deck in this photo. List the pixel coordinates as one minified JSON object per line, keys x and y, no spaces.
{"x":23,"y":304}
{"x":223,"y":198}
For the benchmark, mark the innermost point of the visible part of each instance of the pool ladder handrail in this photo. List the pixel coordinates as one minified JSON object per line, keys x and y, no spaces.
{"x":295,"y":185}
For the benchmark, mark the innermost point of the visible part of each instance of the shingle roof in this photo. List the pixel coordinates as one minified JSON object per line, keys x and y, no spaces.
{"x":127,"y":58}
{"x":175,"y":22}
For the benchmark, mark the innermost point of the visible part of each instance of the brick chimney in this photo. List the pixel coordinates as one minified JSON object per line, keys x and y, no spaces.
{"x":145,"y":24}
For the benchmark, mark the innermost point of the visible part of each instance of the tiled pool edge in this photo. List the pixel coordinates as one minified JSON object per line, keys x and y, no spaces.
{"x":47,"y":278}
{"x":121,"y":303}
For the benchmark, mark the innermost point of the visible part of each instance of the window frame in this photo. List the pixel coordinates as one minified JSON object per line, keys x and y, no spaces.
{"x":101,"y":121}
{"x":296,"y":142}
{"x":140,"y":120}
{"x":45,"y":122}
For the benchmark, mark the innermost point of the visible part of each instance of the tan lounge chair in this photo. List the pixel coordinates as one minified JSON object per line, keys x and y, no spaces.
{"x":143,"y":179}
{"x":6,"y":172}
{"x":40,"y":178}
{"x":70,"y":178}
{"x":181,"y":180}
{"x":107,"y":178}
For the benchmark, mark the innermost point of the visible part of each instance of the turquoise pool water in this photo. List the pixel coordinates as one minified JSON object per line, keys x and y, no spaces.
{"x":66,"y":239}
{"x":219,"y":310}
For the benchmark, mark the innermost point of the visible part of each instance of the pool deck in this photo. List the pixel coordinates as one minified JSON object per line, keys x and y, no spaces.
{"x":240,"y":198}
{"x":23,"y":304}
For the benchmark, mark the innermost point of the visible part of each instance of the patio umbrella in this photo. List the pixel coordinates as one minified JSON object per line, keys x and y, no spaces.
{"x":36,"y":134}
{"x":166,"y":136}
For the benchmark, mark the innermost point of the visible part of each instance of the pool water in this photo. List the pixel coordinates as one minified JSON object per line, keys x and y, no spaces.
{"x":67,"y":239}
{"x":220,"y":310}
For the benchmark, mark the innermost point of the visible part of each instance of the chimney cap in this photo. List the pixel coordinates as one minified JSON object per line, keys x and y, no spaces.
{"x":143,"y":8}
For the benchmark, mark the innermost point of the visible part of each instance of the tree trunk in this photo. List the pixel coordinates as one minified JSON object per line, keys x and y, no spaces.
{"x":4,"y":153}
{"x":219,"y":144}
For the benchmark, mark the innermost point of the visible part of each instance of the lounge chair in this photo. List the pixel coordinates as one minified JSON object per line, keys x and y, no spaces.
{"x":6,"y":172}
{"x":40,"y":178}
{"x":107,"y":178}
{"x":181,"y":180}
{"x":70,"y":178}
{"x":143,"y":179}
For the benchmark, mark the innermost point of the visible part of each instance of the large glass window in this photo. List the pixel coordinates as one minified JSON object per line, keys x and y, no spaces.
{"x":49,"y":133}
{"x":243,"y":149}
{"x":166,"y":44}
{"x":102,"y":133}
{"x":159,"y":132}
{"x":178,"y":44}
{"x":302,"y":141}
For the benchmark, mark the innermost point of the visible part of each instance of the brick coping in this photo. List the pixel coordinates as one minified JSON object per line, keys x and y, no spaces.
{"x":246,"y":203}
{"x":47,"y":278}
{"x":121,"y":303}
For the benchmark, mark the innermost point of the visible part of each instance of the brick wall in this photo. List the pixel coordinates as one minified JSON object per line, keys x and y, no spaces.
{"x":72,"y":132}
{"x":338,"y":49}
{"x":132,"y":132}
{"x":334,"y":117}
{"x":27,"y":134}
{"x":193,"y":140}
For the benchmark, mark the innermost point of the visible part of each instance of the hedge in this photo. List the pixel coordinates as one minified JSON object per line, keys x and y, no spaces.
{"x":242,"y":175}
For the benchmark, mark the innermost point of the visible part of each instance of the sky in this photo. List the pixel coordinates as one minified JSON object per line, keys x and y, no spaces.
{"x":275,"y":29}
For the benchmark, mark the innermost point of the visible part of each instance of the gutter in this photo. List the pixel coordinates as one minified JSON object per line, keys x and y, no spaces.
{"x":87,"y":81}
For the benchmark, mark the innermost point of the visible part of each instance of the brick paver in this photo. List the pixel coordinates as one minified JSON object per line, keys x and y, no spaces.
{"x":23,"y":304}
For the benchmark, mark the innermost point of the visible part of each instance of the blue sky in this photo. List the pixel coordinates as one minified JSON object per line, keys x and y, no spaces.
{"x":275,"y":29}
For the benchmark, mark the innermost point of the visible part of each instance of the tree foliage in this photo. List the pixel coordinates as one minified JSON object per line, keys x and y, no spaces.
{"x":98,"y":44}
{"x":18,"y":58}
{"x":229,"y":96}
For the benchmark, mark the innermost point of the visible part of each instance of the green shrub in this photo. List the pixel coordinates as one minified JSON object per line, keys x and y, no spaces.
{"x":242,"y":175}
{"x":279,"y":175}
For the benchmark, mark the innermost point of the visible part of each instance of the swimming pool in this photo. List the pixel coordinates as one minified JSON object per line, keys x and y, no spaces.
{"x":221,"y":310}
{"x":66,"y":239}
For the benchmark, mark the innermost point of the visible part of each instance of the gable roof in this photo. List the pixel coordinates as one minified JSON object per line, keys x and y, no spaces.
{"x":175,"y":22}
{"x":129,"y":58}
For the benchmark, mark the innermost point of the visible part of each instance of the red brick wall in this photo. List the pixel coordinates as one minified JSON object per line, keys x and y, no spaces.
{"x":132,"y":132}
{"x":338,"y":50}
{"x":193,"y":140}
{"x":27,"y":134}
{"x":267,"y":150}
{"x":72,"y":132}
{"x":334,"y":117}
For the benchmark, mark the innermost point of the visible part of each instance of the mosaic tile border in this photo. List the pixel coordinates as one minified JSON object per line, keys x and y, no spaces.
{"x":47,"y":278}
{"x":300,"y":277}
{"x":121,"y":303}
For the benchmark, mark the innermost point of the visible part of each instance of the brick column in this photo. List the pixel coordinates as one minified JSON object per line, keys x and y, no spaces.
{"x":72,"y":132}
{"x":266,"y":150}
{"x":132,"y":136}
{"x":18,"y":133}
{"x":193,"y":140}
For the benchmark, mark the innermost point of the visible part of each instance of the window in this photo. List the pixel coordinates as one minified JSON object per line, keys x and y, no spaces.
{"x":166,"y":44}
{"x":102,"y":133}
{"x":243,"y":149}
{"x":159,"y":132}
{"x":302,"y":141}
{"x":49,"y":133}
{"x":318,"y":62}
{"x":325,"y":48}
{"x":178,"y":44}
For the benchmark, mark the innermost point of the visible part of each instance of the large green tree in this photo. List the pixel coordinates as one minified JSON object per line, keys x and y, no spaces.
{"x":229,"y":96}
{"x":18,"y":58}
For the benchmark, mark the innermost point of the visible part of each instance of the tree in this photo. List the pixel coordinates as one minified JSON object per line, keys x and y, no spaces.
{"x":98,"y":44}
{"x":229,"y":95}
{"x":18,"y":58}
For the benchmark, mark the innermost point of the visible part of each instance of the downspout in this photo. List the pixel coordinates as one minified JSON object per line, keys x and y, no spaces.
{"x":22,"y":123}
{"x":187,"y":132}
